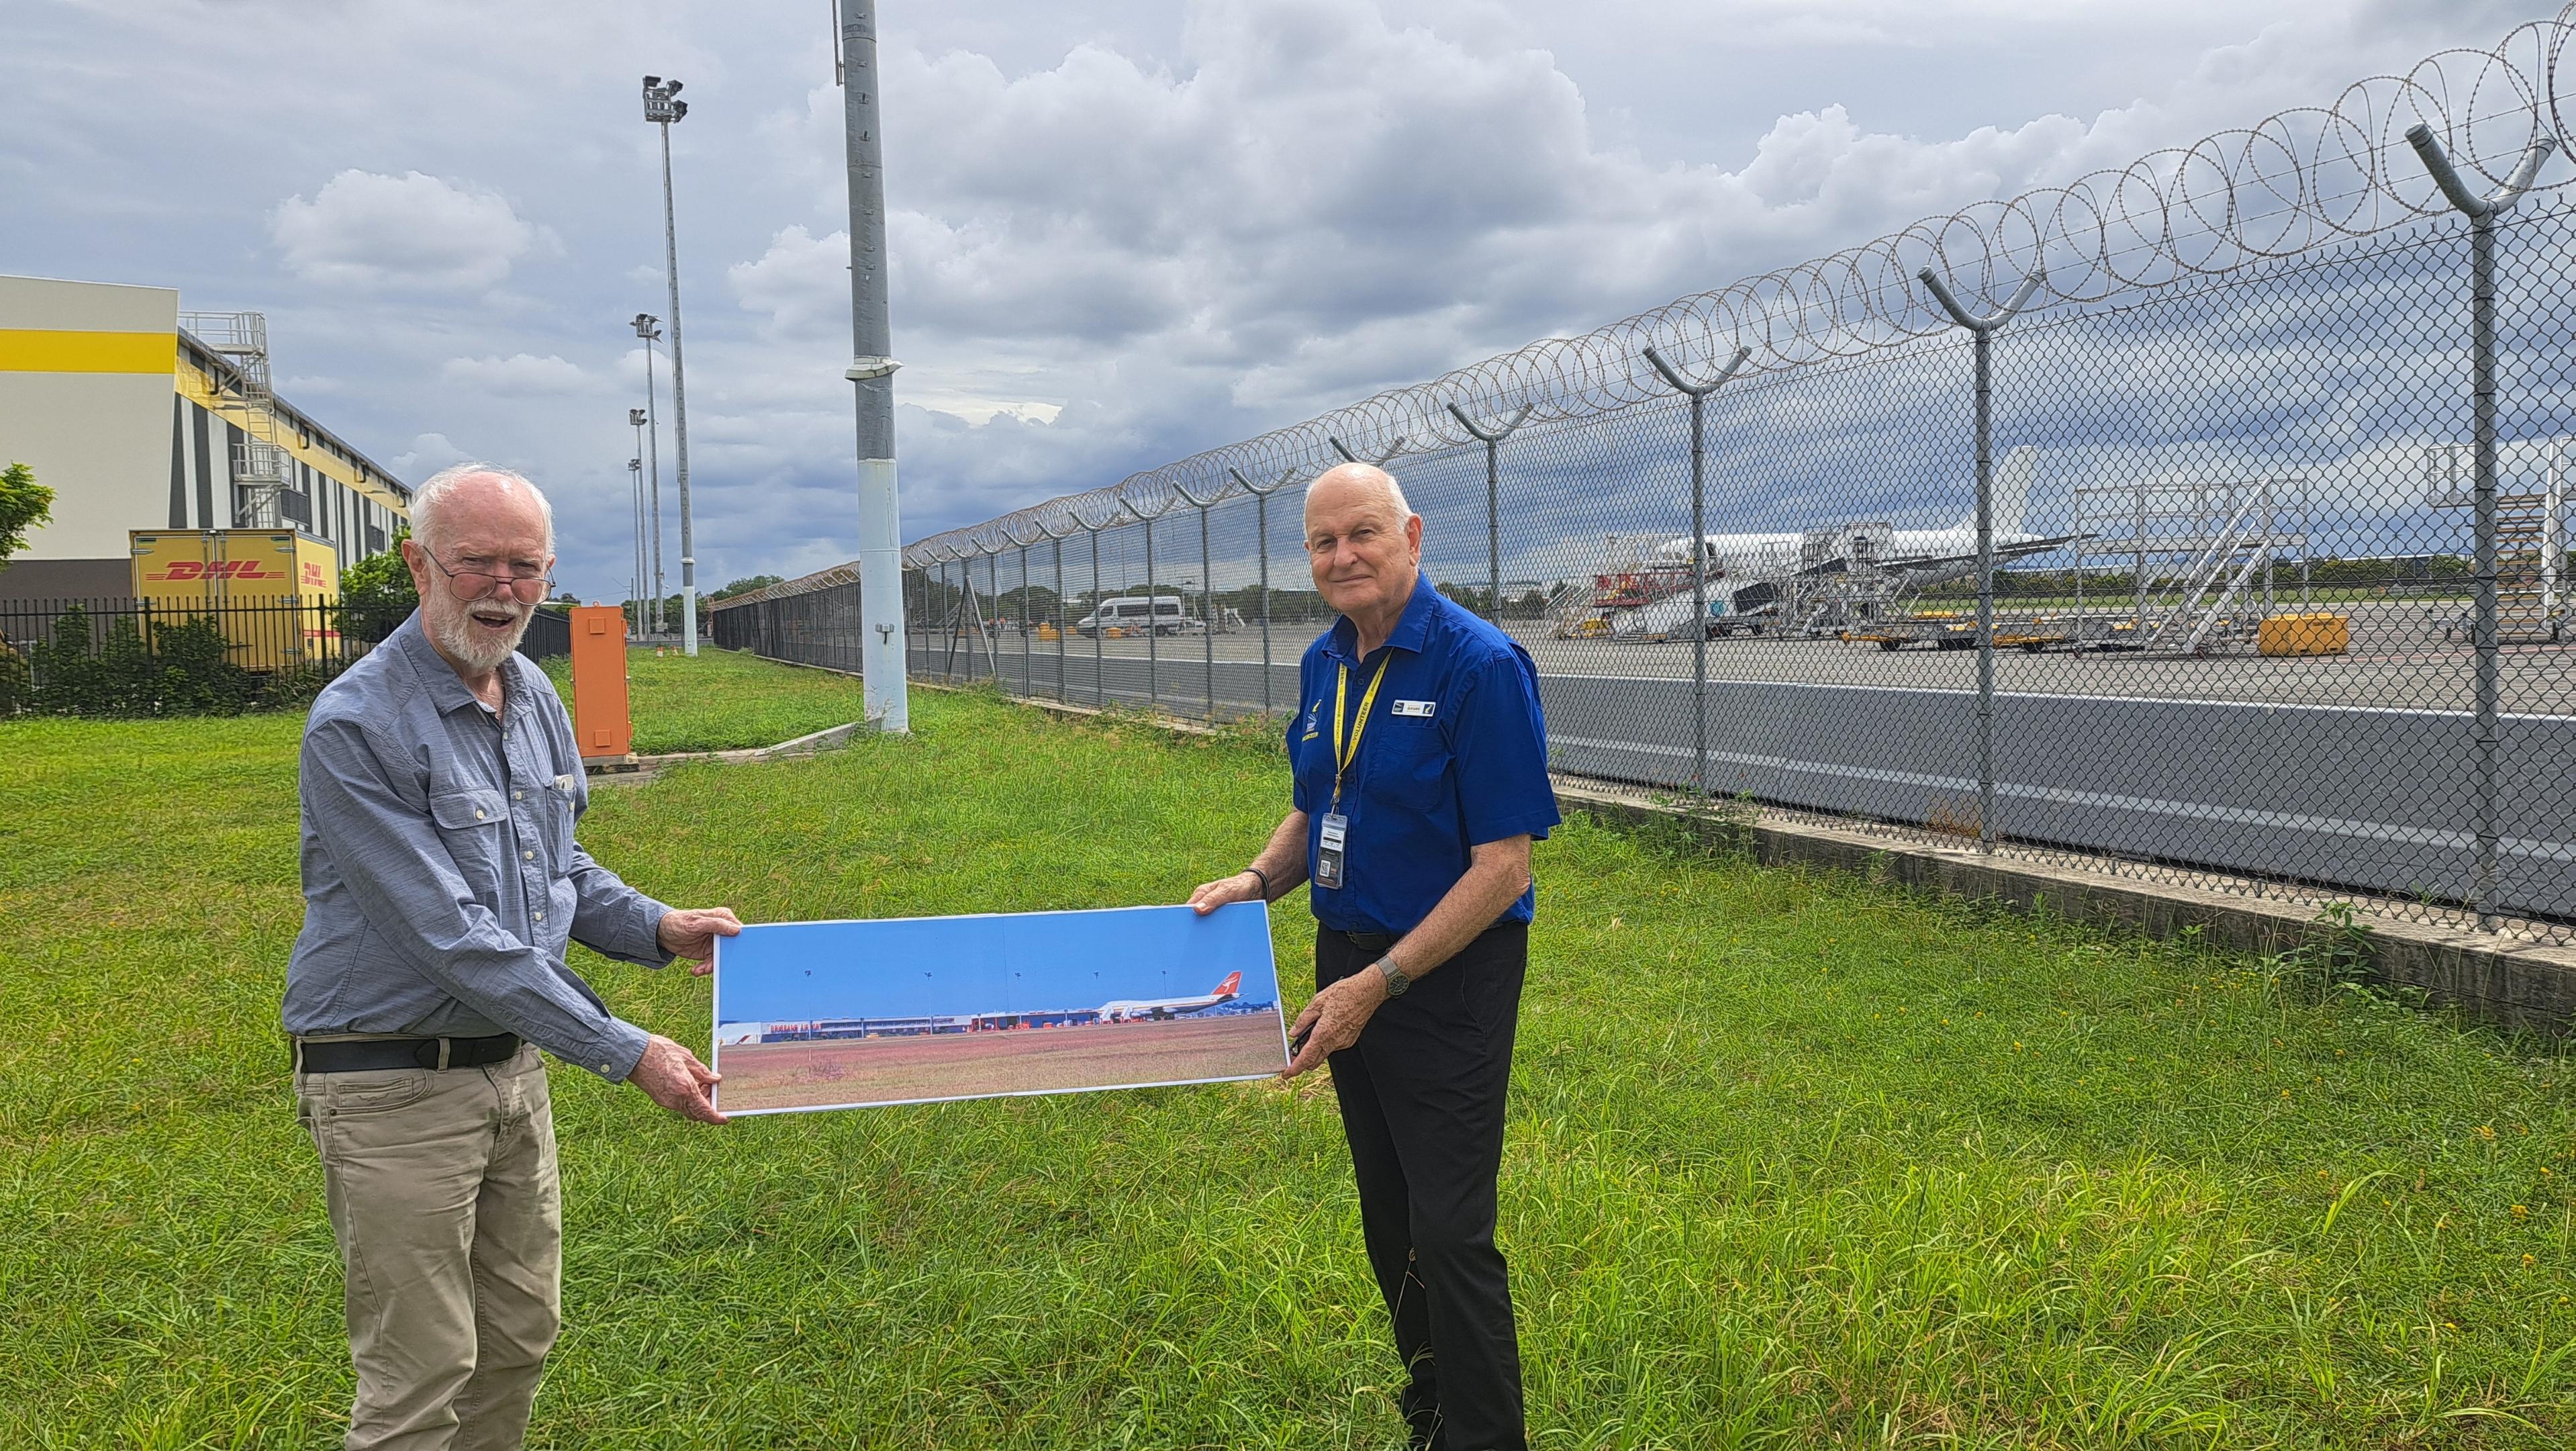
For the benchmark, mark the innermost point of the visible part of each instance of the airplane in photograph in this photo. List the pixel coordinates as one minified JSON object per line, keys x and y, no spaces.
{"x":1747,"y":572}
{"x":1128,"y":1010}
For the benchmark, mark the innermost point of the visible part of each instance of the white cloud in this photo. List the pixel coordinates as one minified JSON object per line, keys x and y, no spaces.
{"x":1120,"y":233}
{"x":410,"y":231}
{"x":519,"y":374}
{"x":428,"y":453}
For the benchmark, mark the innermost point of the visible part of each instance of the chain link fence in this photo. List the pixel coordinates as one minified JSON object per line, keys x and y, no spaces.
{"x":2205,"y":519}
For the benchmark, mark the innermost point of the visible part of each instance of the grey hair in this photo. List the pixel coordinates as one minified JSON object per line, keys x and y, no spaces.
{"x":1394,"y":490}
{"x":429,"y":501}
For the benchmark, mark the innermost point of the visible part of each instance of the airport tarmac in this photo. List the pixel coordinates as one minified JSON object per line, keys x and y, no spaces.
{"x":2398,"y":660}
{"x":975,"y":1065}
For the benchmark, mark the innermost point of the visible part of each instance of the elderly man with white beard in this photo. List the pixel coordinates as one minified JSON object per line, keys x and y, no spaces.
{"x":440,"y":787}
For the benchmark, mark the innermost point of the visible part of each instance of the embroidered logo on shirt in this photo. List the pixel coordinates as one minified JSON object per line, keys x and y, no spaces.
{"x":1312,"y":711}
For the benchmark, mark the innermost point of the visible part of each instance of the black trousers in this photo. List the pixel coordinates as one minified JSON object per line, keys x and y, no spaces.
{"x":1422,"y":1105}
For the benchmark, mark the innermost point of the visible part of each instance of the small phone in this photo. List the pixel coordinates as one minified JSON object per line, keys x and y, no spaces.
{"x":1297,"y":1044}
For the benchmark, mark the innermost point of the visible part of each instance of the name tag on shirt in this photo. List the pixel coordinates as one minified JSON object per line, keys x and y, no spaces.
{"x":1420,"y":708}
{"x":1332,"y":829}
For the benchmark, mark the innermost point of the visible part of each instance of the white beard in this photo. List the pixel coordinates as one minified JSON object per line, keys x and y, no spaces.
{"x":452,"y":633}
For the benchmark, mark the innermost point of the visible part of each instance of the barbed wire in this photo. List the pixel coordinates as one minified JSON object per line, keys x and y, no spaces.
{"x":2302,"y":179}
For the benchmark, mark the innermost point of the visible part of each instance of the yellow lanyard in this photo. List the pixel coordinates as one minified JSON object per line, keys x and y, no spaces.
{"x":1344,"y":755}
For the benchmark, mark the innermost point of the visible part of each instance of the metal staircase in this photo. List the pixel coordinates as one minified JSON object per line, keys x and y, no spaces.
{"x":263,"y":472}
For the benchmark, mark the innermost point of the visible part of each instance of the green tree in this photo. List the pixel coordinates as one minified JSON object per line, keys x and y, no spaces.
{"x":24,"y":504}
{"x":745,"y":586}
{"x":376,"y":594}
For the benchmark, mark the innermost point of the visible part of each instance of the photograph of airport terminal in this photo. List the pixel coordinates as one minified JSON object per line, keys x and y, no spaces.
{"x":918,"y":1009}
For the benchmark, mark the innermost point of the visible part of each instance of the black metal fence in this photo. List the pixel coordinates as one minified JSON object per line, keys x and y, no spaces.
{"x":120,"y":656}
{"x":2205,"y":518}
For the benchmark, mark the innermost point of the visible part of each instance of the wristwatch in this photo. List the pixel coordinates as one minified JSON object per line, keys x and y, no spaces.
{"x":1396,"y":981}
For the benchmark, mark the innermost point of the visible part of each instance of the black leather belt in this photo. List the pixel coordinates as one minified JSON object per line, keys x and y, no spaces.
{"x":354,"y":1055}
{"x":1367,"y":941}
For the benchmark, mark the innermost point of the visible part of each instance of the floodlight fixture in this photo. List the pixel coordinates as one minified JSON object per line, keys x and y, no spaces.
{"x":635,"y":419}
{"x":659,"y":107}
{"x":648,"y":327}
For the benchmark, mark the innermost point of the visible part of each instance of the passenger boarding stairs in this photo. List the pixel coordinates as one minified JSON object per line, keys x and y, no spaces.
{"x":2530,"y":548}
{"x":2228,"y":536}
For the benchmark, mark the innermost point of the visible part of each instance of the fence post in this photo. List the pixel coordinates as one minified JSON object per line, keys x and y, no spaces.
{"x":1058,"y":541}
{"x":1493,"y":507}
{"x":1207,"y":609}
{"x":1261,"y":536}
{"x":1983,"y":329}
{"x":2482,"y":212}
{"x":1028,"y":666}
{"x":1698,"y":395}
{"x":1099,"y":630}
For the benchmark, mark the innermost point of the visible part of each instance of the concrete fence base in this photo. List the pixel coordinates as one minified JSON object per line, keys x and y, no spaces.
{"x":2503,"y":982}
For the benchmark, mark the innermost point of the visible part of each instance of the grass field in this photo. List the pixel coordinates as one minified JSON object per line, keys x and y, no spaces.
{"x":1793,"y":1161}
{"x":723,"y":700}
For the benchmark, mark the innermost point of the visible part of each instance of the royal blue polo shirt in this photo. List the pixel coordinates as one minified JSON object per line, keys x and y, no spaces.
{"x":1454,"y":755}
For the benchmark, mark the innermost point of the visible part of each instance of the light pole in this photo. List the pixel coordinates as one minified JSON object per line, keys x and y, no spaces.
{"x":661,"y":110}
{"x":871,"y":373}
{"x":635,"y":514}
{"x":649,"y":328}
{"x":635,"y":470}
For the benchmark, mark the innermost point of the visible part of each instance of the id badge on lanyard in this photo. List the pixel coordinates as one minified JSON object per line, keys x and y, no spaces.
{"x":1332,"y":832}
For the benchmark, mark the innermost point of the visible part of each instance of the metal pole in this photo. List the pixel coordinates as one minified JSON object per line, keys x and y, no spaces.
{"x":871,"y":374}
{"x":1983,"y":328}
{"x":1493,"y":508}
{"x":1099,"y":628}
{"x":653,"y":458}
{"x":1207,"y":608}
{"x":1153,"y":624}
{"x":679,"y":408}
{"x":1698,"y":394}
{"x":2482,"y":212}
{"x":1261,"y":533}
{"x":636,"y":510}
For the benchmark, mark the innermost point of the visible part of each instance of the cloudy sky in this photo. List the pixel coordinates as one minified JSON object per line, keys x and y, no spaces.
{"x":1121,"y":232}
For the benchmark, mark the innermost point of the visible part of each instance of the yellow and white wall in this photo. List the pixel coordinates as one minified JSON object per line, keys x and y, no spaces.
{"x":122,"y":415}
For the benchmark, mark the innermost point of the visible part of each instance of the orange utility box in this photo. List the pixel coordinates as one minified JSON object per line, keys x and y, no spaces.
{"x":600,"y":722}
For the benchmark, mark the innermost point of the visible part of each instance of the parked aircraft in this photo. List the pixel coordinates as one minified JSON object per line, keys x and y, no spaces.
{"x":1128,"y":1010}
{"x":1748,"y":574}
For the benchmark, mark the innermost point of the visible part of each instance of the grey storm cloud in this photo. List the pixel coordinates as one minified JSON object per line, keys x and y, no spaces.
{"x":1119,"y":234}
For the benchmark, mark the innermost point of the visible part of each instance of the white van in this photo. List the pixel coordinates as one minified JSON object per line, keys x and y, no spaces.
{"x":1135,"y":612}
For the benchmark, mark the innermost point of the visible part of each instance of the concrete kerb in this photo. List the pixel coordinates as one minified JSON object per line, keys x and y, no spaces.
{"x":634,"y":769}
{"x":2513,"y":985}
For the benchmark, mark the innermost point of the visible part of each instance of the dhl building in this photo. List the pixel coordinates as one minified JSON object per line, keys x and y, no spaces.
{"x":148,"y":422}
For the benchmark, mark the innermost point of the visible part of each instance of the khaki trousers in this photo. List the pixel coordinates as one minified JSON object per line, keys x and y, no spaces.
{"x":445,"y":1201}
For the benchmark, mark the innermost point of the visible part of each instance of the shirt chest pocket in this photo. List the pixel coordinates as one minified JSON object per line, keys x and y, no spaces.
{"x":470,"y":823}
{"x":1414,"y":770}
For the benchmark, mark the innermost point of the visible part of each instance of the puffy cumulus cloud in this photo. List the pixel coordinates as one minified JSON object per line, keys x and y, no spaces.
{"x":366,"y":230}
{"x":519,"y":373}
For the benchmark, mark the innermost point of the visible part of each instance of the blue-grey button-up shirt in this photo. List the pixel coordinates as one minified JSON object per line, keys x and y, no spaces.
{"x":441,"y":878}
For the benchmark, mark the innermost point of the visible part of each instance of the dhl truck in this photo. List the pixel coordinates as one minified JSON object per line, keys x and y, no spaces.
{"x":273,"y":592}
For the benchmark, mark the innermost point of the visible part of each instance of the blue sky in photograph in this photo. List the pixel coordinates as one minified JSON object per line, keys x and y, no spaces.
{"x":912,"y":966}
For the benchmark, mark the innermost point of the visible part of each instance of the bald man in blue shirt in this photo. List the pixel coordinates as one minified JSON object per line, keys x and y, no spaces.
{"x":1421,"y":779}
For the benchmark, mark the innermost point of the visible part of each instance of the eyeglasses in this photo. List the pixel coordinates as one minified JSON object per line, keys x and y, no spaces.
{"x":474,"y":584}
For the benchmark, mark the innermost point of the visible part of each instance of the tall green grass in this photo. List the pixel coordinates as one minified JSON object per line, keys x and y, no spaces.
{"x":1793,"y":1160}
